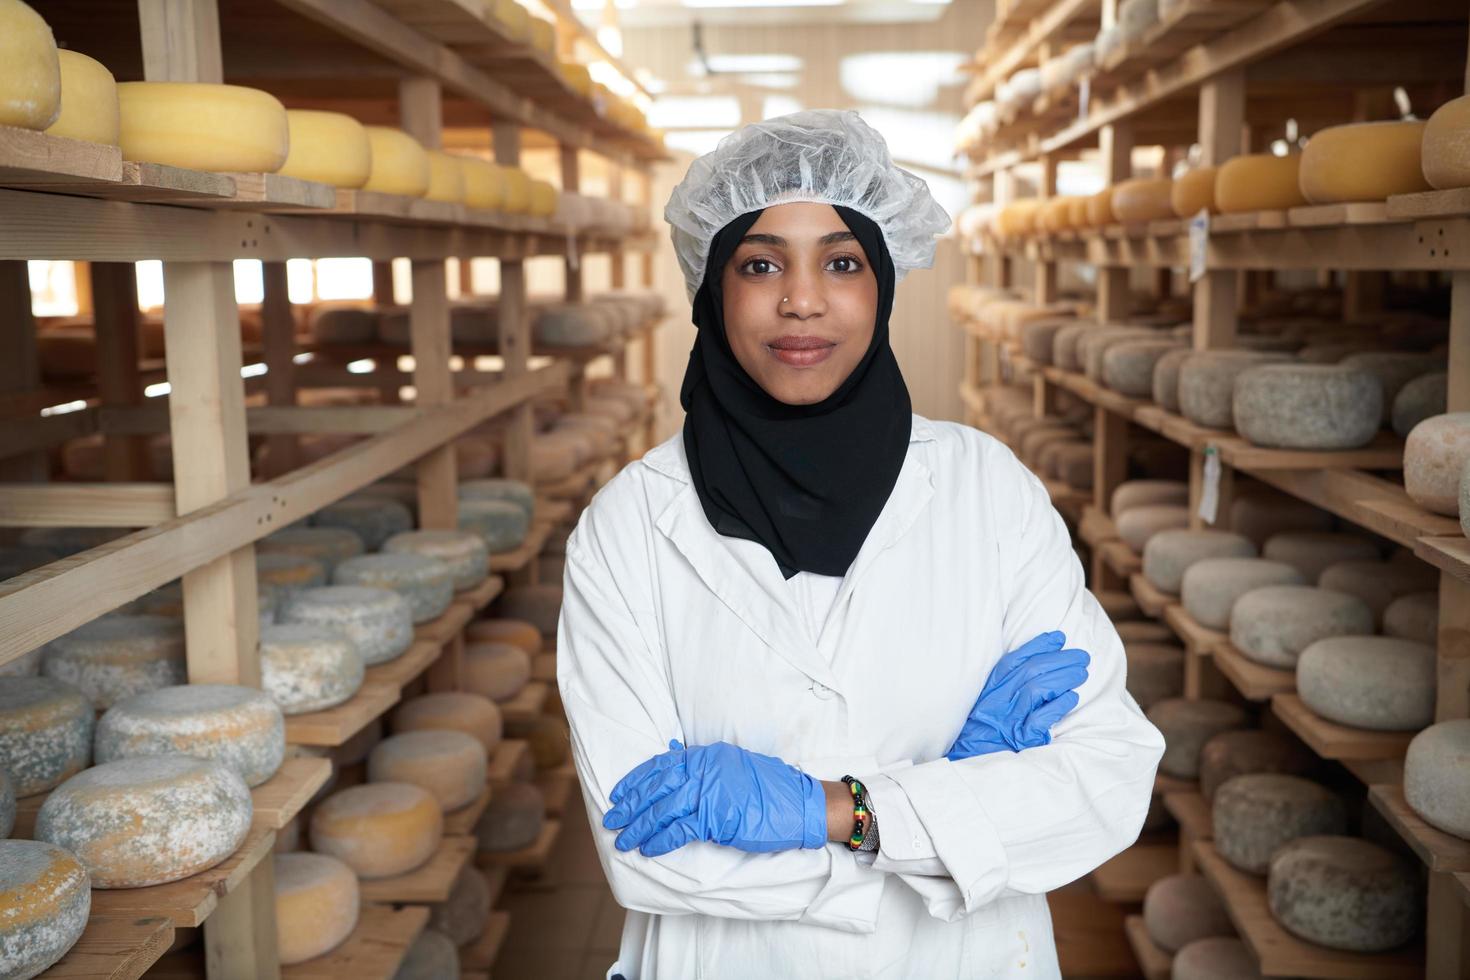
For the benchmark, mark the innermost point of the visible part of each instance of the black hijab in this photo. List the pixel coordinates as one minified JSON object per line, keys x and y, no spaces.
{"x":806,"y":481}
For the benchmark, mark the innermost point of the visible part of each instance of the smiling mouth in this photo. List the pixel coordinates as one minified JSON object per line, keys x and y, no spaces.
{"x":801,"y":351}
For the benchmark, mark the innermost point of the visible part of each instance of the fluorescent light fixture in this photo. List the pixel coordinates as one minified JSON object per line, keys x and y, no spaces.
{"x":253,"y":370}
{"x":364,"y":366}
{"x":685,"y":111}
{"x":907,"y":79}
{"x":779,"y":105}
{"x":157,"y":390}
{"x":737,"y":4}
{"x":304,"y":357}
{"x":753,"y":63}
{"x":66,"y":408}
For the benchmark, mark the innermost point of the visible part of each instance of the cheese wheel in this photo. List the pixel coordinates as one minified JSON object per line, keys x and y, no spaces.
{"x":539,"y":605}
{"x":431,"y":957}
{"x":1187,"y":726}
{"x":7,"y":804}
{"x":1255,"y":814}
{"x":1100,"y":208}
{"x":458,"y":711}
{"x":1215,"y":958}
{"x":1054,"y":215}
{"x":496,"y":670}
{"x":45,"y":891}
{"x":1393,"y":370}
{"x":512,"y":19}
{"x":450,"y":765}
{"x":1259,"y":182}
{"x":1166,"y":378}
{"x":1178,"y":909}
{"x":548,"y":738}
{"x":289,"y":573}
{"x":1434,"y":455}
{"x":464,"y":915}
{"x":501,"y":524}
{"x":1128,"y":366}
{"x":1142,"y":200}
{"x":328,"y":147}
{"x":551,"y":462}
{"x":1193,"y":191}
{"x":147,"y":820}
{"x":378,"y":622}
{"x":116,"y":656}
{"x":1445,"y":151}
{"x":1248,"y":750}
{"x":1273,"y":624}
{"x":1380,"y":683}
{"x":1169,"y":554}
{"x":446,"y":178}
{"x":484,"y":184}
{"x":343,"y":325}
{"x":400,"y":165}
{"x":238,"y":727}
{"x":373,"y":519}
{"x":516,"y":198}
{"x":513,"y":819}
{"x":304,"y":667}
{"x":317,"y":905}
{"x":463,"y":551}
{"x":1210,"y":588}
{"x":1378,"y":583}
{"x":424,"y":582}
{"x":30,"y":84}
{"x":1313,"y":551}
{"x":516,"y":632}
{"x":1437,"y":776}
{"x":202,"y":126}
{"x":512,"y":491}
{"x":543,"y":198}
{"x":1038,"y":336}
{"x":45,"y":732}
{"x":1138,"y":524}
{"x":1262,"y":516}
{"x":1345,"y":893}
{"x":1413,"y":617}
{"x":1143,"y":493}
{"x":328,"y":545}
{"x":1363,"y":162}
{"x":1426,"y":395}
{"x":88,"y":101}
{"x":1207,"y":384}
{"x":378,"y":829}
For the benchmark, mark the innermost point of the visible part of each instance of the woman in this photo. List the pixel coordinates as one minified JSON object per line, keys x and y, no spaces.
{"x":811,"y":582}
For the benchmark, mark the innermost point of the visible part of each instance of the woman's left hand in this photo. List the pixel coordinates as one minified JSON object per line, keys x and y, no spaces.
{"x":719,"y":793}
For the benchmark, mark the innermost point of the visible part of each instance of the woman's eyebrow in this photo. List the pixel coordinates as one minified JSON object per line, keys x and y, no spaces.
{"x":827,"y":239}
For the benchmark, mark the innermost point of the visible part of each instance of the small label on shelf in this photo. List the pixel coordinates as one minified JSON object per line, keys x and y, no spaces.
{"x":1209,"y":497}
{"x":1199,"y":241}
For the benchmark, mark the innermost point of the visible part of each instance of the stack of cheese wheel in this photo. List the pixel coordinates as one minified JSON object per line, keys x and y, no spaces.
{"x":1143,"y":200}
{"x":1363,"y":162}
{"x":329,"y":147}
{"x":239,"y":727}
{"x":1273,"y":624}
{"x":45,"y":890}
{"x":378,"y":829}
{"x":399,"y":163}
{"x":450,"y":764}
{"x":1345,"y":893}
{"x":203,"y":127}
{"x":317,"y":905}
{"x":117,"y":655}
{"x":45,"y":732}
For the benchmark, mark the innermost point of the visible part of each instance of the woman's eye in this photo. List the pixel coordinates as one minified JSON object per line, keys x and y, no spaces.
{"x":852,"y":264}
{"x":751,"y":264}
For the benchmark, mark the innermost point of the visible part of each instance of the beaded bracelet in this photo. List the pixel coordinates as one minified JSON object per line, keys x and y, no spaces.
{"x":860,"y":814}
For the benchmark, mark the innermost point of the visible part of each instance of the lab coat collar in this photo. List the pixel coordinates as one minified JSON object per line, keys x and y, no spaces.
{"x":749,"y":582}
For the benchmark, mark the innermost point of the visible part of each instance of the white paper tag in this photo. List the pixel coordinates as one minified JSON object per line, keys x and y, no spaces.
{"x":1199,"y":242}
{"x":1209,"y":495}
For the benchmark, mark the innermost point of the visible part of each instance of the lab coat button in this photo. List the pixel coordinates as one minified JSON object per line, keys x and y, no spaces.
{"x":821,"y":690}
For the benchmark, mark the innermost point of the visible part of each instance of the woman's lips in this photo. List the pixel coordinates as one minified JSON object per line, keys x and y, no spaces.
{"x":801,"y":351}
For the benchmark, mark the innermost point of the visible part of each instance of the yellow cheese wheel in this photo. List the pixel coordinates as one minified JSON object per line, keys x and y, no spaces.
{"x":579,"y":78}
{"x":1017,"y":218}
{"x":543,"y":198}
{"x":512,"y":18}
{"x":88,"y":101}
{"x":1100,"y":208}
{"x":517,"y":632}
{"x":1446,"y":147}
{"x":1363,"y":162}
{"x":543,"y":35}
{"x":517,"y":185}
{"x":446,"y":178}
{"x":1259,"y":182}
{"x":400,"y":163}
{"x":484,"y":184}
{"x":317,"y":903}
{"x":1077,"y":212}
{"x":1193,"y":192}
{"x":330,"y":147}
{"x":450,"y":765}
{"x":30,"y":73}
{"x":203,"y":127}
{"x":378,"y":829}
{"x":457,"y":711}
{"x":1054,"y":214}
{"x":1143,"y":199}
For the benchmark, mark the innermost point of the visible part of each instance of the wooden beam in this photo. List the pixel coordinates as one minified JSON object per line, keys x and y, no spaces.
{"x":1116,"y":144}
{"x":38,"y":433}
{"x":514,"y":327}
{"x":180,"y":40}
{"x":269,"y":420}
{"x":278,"y":336}
{"x":115,"y":296}
{"x":86,"y":504}
{"x":20,"y":368}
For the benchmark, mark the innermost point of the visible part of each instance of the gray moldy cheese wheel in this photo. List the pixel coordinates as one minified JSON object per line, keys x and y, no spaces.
{"x":1138,"y":524}
{"x":1345,"y":893}
{"x":1093,"y":346}
{"x":516,"y":632}
{"x":7,"y":804}
{"x":317,"y":905}
{"x":1308,"y":406}
{"x":1215,"y":958}
{"x":1262,"y":516}
{"x":1378,"y":583}
{"x":424,"y":582}
{"x":149,"y":819}
{"x":1250,"y":750}
{"x":1064,"y":346}
{"x":1038,"y":336}
{"x":460,"y":711}
{"x":496,"y":670}
{"x":1165,"y":384}
{"x":343,"y":325}
{"x":378,"y":829}
{"x":1393,"y":370}
{"x":47,"y":895}
{"x":513,"y":819}
{"x":1169,"y":554}
{"x":1207,"y":382}
{"x":288,"y":573}
{"x":1186,"y":726}
{"x":1074,"y":465}
{"x":1273,"y":624}
{"x":501,"y":524}
{"x":239,"y":727}
{"x":1313,"y":551}
{"x":27,"y":664}
{"x":539,"y":605}
{"x":570,"y":325}
{"x":431,"y":957}
{"x":1210,"y":587}
{"x":463,"y":916}
{"x":1434,"y":454}
{"x":1143,"y":493}
{"x":1437,"y":776}
{"x":515,"y":491}
{"x":463,"y":551}
{"x":373,"y":519}
{"x":116,"y":656}
{"x":1155,"y":672}
{"x":305,"y":667}
{"x":1033,"y":442}
{"x":1426,"y":395}
{"x":1178,"y":909}
{"x":1413,"y":617}
{"x":45,"y":732}
{"x":1128,"y":366}
{"x":1255,"y":814}
{"x":379,"y":622}
{"x":450,"y":765}
{"x":1381,"y":683}
{"x":328,"y":545}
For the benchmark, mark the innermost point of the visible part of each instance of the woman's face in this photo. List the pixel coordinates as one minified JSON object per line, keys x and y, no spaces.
{"x":800,"y":302}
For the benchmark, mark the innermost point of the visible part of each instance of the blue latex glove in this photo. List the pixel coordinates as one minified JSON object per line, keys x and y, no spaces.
{"x":1029,"y":690}
{"x":719,"y":793}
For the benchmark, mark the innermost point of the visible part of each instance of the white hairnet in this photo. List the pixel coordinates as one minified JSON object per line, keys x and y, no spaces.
{"x":828,"y":156}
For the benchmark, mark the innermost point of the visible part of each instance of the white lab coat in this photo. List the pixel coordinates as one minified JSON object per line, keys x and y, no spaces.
{"x":667,"y":631}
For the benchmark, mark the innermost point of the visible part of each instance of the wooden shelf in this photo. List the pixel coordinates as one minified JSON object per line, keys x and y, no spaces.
{"x":507,"y":758}
{"x":481,"y":595}
{"x":462,"y":821}
{"x":336,"y":725}
{"x":190,"y":901}
{"x":526,"y":706}
{"x":1151,"y":600}
{"x":480,"y":955}
{"x":404,"y":668}
{"x":1255,"y":682}
{"x":1333,"y":741}
{"x":1281,"y":954}
{"x":447,"y":625}
{"x":533,"y":855}
{"x":1385,"y":452}
{"x":430,"y":882}
{"x":375,"y":949}
{"x":550,"y":511}
{"x":1117,"y":605}
{"x":1198,"y":640}
{"x":1164,"y":785}
{"x":1120,"y":558}
{"x":1153,"y":963}
{"x":1448,"y":554}
{"x":1430,"y":204}
{"x":114,"y":948}
{"x":525,"y":553}
{"x":1095,"y":527}
{"x":1126,"y":877}
{"x":280,"y":798}
{"x":1370,"y":501}
{"x":1438,"y":850}
{"x":557,"y":786}
{"x":1193,"y":814}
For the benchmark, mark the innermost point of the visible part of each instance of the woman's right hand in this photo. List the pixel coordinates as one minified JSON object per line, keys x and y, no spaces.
{"x":1029,"y":690}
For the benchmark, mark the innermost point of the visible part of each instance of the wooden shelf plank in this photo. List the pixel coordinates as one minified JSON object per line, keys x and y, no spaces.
{"x":1164,"y":785}
{"x":1354,"y":213}
{"x":1255,"y":682}
{"x":462,"y":820}
{"x":1126,"y":877}
{"x":1438,"y":850}
{"x":1120,"y":558}
{"x":526,"y":706}
{"x":1193,"y":814}
{"x":114,"y":948}
{"x":495,"y":879}
{"x":1333,"y":741}
{"x":1448,"y":554}
{"x":402,"y":669}
{"x":32,"y":159}
{"x":1151,"y":600}
{"x":336,"y":725}
{"x":481,"y":595}
{"x":1279,"y":952}
{"x":531,"y":856}
{"x":430,"y":882}
{"x":1197,"y":639}
{"x":1375,"y":772}
{"x":1117,"y":605}
{"x":1154,"y":963}
{"x":1385,"y":452}
{"x":446,"y":626}
{"x":506,"y":760}
{"x":481,"y":954}
{"x":190,"y":901}
{"x":553,"y":511}
{"x":1378,"y":504}
{"x":1096,"y":527}
{"x":277,"y":192}
{"x":280,"y":798}
{"x":374,"y":951}
{"x":1430,"y":204}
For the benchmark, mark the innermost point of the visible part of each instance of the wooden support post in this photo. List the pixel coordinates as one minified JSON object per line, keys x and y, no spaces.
{"x":1459,"y":357}
{"x":570,"y":181}
{"x":20,"y":370}
{"x":180,"y":40}
{"x":385,"y":296}
{"x":1109,"y":454}
{"x":240,"y":934}
{"x":515,"y":329}
{"x":1115,"y":143}
{"x":1046,"y":271}
{"x":278,"y":335}
{"x":115,"y":319}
